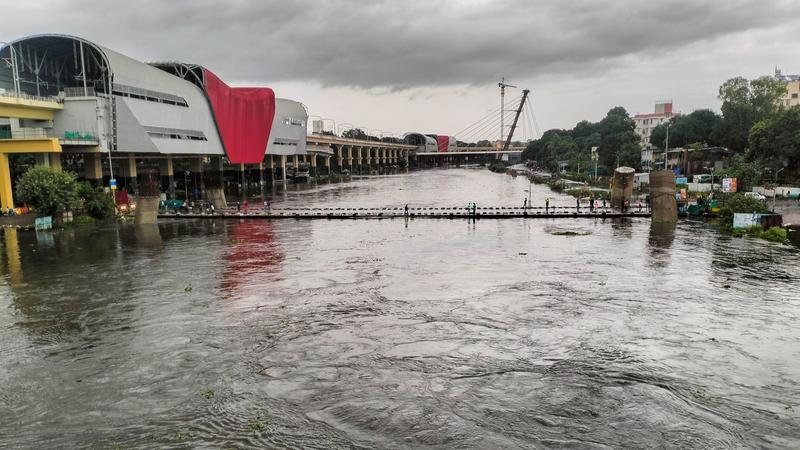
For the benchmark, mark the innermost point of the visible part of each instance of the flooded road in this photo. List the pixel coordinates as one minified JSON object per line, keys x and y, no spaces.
{"x":395,"y":334}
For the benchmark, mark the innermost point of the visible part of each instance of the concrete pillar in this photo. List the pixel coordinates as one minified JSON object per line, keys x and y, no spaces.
{"x":282,"y":168}
{"x":128,"y":174}
{"x":93,"y":168}
{"x":295,"y":162}
{"x":270,"y":170}
{"x":196,"y":167}
{"x":167,"y":176}
{"x":663,"y":206}
{"x":261,"y":181}
{"x":243,"y":182}
{"x":328,"y":164}
{"x":55,"y":161}
{"x":622,"y":186}
{"x":313,"y":170}
{"x":349,"y":152}
{"x":6,"y":195}
{"x":359,"y":159}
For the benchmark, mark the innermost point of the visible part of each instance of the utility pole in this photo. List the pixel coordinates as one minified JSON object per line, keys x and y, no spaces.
{"x":503,"y":87}
{"x":666,"y":148}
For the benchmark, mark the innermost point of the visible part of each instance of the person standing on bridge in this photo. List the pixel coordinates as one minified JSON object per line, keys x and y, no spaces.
{"x":245,"y":207}
{"x":547,"y":205}
{"x":591,"y":204}
{"x":578,"y":204}
{"x":525,"y":203}
{"x":406,"y":208}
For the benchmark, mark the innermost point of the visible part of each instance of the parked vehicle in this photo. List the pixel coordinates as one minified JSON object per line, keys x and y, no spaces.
{"x":755,"y":195}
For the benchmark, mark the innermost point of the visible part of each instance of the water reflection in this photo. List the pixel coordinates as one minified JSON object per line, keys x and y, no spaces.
{"x":252,"y":257}
{"x":148,"y":236}
{"x":659,"y":242}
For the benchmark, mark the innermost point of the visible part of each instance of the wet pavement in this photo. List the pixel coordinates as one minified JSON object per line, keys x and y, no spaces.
{"x":399,"y":334}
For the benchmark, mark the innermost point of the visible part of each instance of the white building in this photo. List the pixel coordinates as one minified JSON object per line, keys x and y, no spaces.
{"x":645,"y":123}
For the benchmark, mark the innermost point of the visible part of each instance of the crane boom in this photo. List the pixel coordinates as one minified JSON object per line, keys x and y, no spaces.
{"x":525,"y":93}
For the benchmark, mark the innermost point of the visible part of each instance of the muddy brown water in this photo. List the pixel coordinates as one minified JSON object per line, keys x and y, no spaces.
{"x":399,"y":334}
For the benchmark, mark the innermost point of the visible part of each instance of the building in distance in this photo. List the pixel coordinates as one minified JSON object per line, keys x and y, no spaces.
{"x":792,"y":97}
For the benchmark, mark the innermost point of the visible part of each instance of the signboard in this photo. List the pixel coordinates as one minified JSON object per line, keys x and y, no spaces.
{"x":44,"y":223}
{"x":112,"y":183}
{"x":681,"y":180}
{"x":729,"y":185}
{"x":594,"y":153}
{"x":744,"y":220}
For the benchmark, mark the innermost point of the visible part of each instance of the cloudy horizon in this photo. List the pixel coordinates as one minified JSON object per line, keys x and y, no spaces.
{"x":434,"y":65}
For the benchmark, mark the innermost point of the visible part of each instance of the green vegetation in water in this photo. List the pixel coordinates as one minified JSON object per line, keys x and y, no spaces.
{"x":498,"y":167}
{"x":181,"y":435}
{"x":52,"y":192}
{"x":737,"y":203}
{"x":565,"y":232}
{"x":258,"y":424}
{"x":774,"y":234}
{"x":207,"y":394}
{"x":188,"y":289}
{"x":48,"y":191}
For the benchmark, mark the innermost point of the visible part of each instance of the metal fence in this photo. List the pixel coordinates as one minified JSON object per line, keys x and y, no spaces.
{"x":22,"y":95}
{"x":79,"y":92}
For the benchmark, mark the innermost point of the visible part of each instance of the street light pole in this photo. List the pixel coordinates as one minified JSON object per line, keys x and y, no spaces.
{"x":666,"y":148}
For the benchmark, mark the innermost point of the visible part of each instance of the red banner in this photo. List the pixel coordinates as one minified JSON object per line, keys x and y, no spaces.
{"x":244,"y":118}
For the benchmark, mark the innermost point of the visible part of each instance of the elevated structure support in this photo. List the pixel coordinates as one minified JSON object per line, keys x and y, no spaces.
{"x":270,"y":172}
{"x":6,"y":195}
{"x":93,"y":168}
{"x":282,"y":169}
{"x":129,"y":174}
{"x":167,"y":173}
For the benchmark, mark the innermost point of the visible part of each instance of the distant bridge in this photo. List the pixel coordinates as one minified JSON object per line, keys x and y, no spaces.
{"x":475,"y":151}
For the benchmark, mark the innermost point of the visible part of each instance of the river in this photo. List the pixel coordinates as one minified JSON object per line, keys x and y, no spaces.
{"x":399,"y":334}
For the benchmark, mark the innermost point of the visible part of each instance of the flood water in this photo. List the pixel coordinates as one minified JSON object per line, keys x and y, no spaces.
{"x":395,"y":334}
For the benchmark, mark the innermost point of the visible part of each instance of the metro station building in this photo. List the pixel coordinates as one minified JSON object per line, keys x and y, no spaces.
{"x":69,"y":103}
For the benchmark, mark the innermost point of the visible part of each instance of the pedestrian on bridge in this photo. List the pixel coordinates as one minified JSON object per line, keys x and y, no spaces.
{"x":246,"y":207}
{"x":578,"y":204}
{"x":406,"y":208}
{"x":525,"y":203}
{"x":547,"y":205}
{"x":591,"y":204}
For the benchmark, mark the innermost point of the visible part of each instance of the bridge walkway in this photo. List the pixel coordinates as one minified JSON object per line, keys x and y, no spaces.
{"x":420,"y":213}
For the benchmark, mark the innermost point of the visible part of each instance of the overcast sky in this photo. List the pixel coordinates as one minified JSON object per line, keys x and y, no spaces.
{"x":433,"y":65}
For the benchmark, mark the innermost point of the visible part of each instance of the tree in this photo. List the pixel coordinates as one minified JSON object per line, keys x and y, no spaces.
{"x":95,"y":202}
{"x":747,"y":174}
{"x":355,"y":133}
{"x":775,"y":141}
{"x":630,"y":154}
{"x":701,"y":126}
{"x":49,"y":192}
{"x":616,"y":130}
{"x":743,"y":104}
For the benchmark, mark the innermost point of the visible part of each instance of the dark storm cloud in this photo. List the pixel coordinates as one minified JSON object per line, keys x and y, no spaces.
{"x":398,"y":44}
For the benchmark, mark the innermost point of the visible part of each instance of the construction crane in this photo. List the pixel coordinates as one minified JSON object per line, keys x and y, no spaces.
{"x":525,"y":93}
{"x":502,"y":84}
